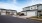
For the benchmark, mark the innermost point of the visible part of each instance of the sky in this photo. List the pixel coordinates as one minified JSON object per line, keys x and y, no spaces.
{"x":18,"y":4}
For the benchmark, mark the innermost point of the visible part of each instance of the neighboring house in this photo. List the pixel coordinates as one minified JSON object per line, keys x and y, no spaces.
{"x":34,"y":10}
{"x":7,"y":12}
{"x":11,"y":12}
{"x":2,"y":11}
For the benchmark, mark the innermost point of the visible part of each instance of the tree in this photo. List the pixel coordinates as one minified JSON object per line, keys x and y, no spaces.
{"x":18,"y":13}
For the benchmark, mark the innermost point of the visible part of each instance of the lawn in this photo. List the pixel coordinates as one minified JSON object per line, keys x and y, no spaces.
{"x":37,"y":19}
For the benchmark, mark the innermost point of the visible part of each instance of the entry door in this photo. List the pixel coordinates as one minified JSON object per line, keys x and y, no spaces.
{"x":31,"y":13}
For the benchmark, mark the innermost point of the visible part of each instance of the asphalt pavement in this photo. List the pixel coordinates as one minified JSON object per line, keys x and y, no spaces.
{"x":9,"y":19}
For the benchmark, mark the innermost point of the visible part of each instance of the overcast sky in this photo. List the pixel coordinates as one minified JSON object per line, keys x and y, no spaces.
{"x":18,"y":4}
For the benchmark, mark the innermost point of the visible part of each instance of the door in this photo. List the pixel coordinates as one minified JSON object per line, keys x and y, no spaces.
{"x":31,"y":13}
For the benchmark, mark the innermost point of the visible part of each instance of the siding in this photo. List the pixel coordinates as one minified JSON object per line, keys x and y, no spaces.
{"x":30,"y":8}
{"x":33,"y":7}
{"x":40,"y":7}
{"x":31,"y":13}
{"x":24,"y":9}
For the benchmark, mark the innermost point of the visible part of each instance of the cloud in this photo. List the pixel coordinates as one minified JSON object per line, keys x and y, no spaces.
{"x":13,"y":5}
{"x":16,"y":6}
{"x":8,"y":5}
{"x":14,"y":1}
{"x":36,"y":2}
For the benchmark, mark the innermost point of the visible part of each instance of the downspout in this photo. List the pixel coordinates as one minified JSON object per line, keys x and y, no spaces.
{"x":26,"y":13}
{"x":37,"y":11}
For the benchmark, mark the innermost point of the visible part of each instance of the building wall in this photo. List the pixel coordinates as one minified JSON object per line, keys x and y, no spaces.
{"x":24,"y":9}
{"x":12,"y":12}
{"x":30,"y":13}
{"x":7,"y":12}
{"x":30,"y":8}
{"x":40,"y":7}
{"x":33,"y":7}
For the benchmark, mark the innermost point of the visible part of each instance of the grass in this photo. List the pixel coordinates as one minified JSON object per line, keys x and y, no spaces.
{"x":40,"y":17}
{"x":37,"y":18}
{"x":33,"y":17}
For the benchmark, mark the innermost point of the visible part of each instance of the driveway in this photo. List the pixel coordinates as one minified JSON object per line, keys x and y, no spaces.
{"x":9,"y":19}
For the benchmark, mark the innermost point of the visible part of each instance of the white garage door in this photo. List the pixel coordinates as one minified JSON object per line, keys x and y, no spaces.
{"x":3,"y":13}
{"x":31,"y":13}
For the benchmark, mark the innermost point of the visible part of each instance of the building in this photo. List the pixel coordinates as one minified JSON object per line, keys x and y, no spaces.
{"x":34,"y":10}
{"x":7,"y":12}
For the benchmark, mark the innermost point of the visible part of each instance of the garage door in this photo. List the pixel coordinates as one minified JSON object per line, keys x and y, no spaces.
{"x":31,"y":13}
{"x":3,"y":13}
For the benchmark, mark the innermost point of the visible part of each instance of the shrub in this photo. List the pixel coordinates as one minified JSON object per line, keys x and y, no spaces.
{"x":22,"y":14}
{"x":40,"y":16}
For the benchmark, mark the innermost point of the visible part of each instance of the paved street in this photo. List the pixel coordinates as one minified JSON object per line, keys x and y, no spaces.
{"x":9,"y":19}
